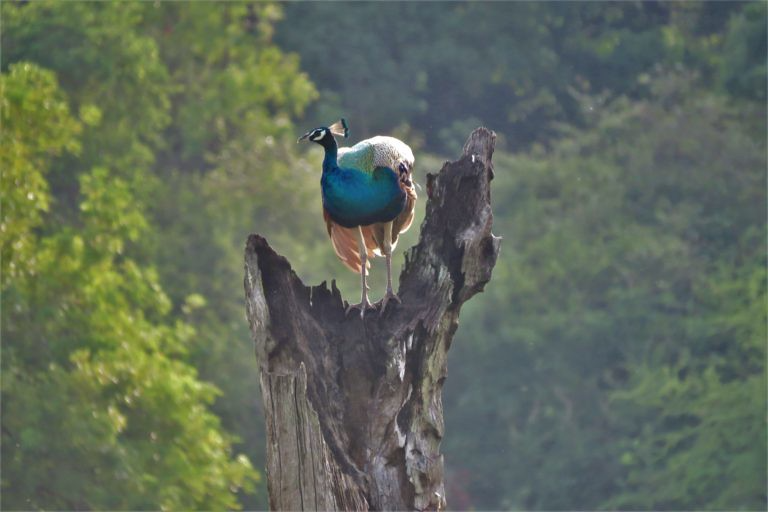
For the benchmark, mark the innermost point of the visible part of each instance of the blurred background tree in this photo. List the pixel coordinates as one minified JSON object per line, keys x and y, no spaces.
{"x":618,"y":358}
{"x":100,"y":409}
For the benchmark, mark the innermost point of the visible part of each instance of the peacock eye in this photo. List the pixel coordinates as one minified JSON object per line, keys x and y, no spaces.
{"x":402,"y":168}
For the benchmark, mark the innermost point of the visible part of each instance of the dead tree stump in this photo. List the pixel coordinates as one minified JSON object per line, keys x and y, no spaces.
{"x":353,"y":407}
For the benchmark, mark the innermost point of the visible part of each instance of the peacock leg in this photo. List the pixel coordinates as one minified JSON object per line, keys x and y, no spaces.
{"x":387,"y":250}
{"x":363,"y":259}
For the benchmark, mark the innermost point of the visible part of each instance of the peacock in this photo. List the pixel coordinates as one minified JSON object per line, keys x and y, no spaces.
{"x":368,"y":200}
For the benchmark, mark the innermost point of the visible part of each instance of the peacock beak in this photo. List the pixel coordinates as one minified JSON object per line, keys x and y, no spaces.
{"x":303,"y":137}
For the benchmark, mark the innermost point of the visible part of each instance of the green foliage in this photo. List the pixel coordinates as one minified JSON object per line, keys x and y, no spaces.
{"x":520,"y":67}
{"x":743,"y":66}
{"x":100,"y":407}
{"x":627,"y":308}
{"x":699,"y":423}
{"x":100,"y":60}
{"x":128,"y":428}
{"x":171,"y":98}
{"x":29,"y":94}
{"x":230,"y":158}
{"x":229,"y":82}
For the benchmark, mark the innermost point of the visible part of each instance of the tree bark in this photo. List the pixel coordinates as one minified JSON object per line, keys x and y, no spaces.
{"x":353,"y":407}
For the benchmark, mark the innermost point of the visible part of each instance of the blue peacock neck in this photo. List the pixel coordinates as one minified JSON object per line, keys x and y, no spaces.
{"x":330,"y":161}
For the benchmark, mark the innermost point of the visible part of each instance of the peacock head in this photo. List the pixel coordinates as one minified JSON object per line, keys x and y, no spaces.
{"x":324,"y":135}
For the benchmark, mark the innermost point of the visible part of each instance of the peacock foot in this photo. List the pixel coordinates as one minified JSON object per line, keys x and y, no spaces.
{"x":362,"y":306}
{"x":390,"y":295}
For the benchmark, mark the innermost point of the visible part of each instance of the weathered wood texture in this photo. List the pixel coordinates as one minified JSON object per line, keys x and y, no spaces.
{"x":353,"y":407}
